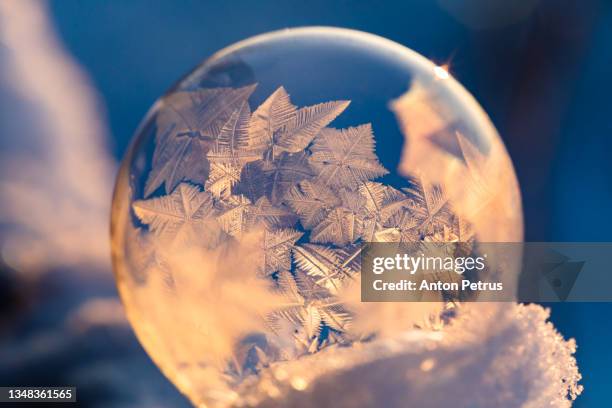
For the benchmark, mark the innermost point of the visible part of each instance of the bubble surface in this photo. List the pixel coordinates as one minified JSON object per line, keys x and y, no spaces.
{"x":241,"y":206}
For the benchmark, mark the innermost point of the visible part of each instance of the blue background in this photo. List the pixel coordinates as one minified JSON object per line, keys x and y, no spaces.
{"x":544,"y":78}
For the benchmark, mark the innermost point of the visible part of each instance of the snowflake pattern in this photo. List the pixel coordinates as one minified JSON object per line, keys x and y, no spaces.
{"x":307,"y":188}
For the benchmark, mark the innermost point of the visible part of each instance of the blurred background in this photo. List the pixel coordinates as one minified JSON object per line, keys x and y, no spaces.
{"x":77,"y":77}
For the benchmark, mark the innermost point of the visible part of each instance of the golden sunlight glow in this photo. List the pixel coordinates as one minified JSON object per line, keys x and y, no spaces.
{"x":299,"y":383}
{"x":441,"y":71}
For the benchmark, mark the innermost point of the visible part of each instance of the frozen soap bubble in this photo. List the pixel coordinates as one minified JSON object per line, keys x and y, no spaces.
{"x":241,"y":205}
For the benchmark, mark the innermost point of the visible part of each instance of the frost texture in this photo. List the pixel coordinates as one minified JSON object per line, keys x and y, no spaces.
{"x":442,"y":146}
{"x":345,"y":158}
{"x":274,"y":205}
{"x":507,"y":356}
{"x":187,"y":128}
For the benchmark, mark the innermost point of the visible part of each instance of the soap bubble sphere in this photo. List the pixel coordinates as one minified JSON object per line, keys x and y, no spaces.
{"x":241,"y":205}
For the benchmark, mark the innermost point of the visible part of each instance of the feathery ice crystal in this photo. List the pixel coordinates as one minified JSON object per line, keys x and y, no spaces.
{"x":237,"y":231}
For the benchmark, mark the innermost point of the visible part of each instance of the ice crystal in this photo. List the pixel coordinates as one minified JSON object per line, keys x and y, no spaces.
{"x":186,"y":129}
{"x":309,"y":306}
{"x":277,"y":125}
{"x":261,"y":172}
{"x":298,"y":198}
{"x":233,"y":144}
{"x":223,"y":176}
{"x":272,"y":216}
{"x":345,"y":158}
{"x":341,"y":226}
{"x":330,"y":267}
{"x":406,"y":224}
{"x":382,"y":201}
{"x":277,"y":249}
{"x":273,"y":178}
{"x":182,"y":215}
{"x":311,"y":202}
{"x":233,"y":215}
